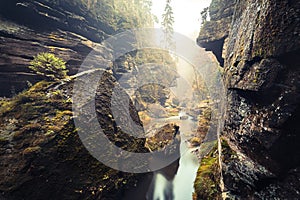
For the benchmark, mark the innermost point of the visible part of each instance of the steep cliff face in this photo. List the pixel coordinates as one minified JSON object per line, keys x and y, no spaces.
{"x":65,"y":28}
{"x":262,"y":76}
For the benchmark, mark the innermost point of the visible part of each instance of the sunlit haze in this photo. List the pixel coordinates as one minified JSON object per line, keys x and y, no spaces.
{"x":186,"y":14}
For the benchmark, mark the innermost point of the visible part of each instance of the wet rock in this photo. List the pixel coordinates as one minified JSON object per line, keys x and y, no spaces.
{"x":167,"y":140}
{"x":164,"y":136}
{"x":261,"y":73}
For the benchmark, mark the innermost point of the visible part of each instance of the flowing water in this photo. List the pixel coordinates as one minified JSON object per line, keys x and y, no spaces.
{"x":180,"y":185}
{"x":176,"y":181}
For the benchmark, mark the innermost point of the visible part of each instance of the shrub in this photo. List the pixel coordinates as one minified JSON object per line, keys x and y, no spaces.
{"x":50,"y":66}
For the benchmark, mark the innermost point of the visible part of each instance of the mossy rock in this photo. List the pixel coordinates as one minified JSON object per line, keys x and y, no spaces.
{"x":166,"y":135}
{"x":208,"y":177}
{"x":44,"y":157}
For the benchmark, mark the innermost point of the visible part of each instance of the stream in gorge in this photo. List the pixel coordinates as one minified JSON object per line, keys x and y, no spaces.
{"x":181,"y":185}
{"x":176,"y":181}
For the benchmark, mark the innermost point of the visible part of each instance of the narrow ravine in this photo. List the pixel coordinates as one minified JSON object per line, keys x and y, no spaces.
{"x":181,"y":185}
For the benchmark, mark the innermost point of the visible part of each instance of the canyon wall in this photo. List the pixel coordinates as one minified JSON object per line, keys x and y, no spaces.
{"x":65,"y":28}
{"x":258,"y":44}
{"x":42,"y":156}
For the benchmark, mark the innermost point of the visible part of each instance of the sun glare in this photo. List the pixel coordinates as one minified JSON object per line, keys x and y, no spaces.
{"x":186,"y":14}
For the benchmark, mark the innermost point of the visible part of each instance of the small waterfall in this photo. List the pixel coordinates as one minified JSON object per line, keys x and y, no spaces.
{"x":177,"y":184}
{"x":163,"y":188}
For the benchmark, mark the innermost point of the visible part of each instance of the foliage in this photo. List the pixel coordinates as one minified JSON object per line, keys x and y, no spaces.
{"x":111,"y":15}
{"x":157,"y":56}
{"x":150,"y":93}
{"x":50,"y":66}
{"x":122,"y":14}
{"x":199,"y":86}
{"x":167,"y":23}
{"x":204,"y":15}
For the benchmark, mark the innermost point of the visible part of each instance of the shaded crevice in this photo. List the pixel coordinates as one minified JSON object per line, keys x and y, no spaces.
{"x":217,"y":48}
{"x":11,"y":36}
{"x":291,"y":59}
{"x":286,"y":149}
{"x":263,"y":183}
{"x":263,"y":98}
{"x":15,"y":11}
{"x":19,"y":55}
{"x":254,"y":60}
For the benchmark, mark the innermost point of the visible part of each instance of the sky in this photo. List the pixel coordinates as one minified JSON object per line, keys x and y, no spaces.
{"x":186,"y":13}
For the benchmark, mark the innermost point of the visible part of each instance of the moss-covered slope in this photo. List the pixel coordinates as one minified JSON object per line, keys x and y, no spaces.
{"x":42,"y":156}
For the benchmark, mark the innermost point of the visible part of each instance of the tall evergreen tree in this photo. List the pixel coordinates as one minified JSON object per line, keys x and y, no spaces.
{"x":167,"y":24}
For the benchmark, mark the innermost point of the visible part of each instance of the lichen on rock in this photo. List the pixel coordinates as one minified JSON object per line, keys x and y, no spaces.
{"x":42,"y":152}
{"x":261,"y":73}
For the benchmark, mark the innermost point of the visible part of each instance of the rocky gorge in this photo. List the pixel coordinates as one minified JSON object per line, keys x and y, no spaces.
{"x":256,"y":42}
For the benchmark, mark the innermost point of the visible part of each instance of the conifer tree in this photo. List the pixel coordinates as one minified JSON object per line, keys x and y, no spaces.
{"x":167,"y":24}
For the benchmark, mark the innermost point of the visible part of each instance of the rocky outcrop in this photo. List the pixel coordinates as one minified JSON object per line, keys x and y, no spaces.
{"x":20,"y":44}
{"x":261,"y":73}
{"x":215,"y":31}
{"x":45,"y":15}
{"x":27,"y":28}
{"x":42,"y":156}
{"x":166,"y":135}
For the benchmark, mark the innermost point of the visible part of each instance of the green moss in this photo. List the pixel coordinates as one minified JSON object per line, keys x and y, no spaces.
{"x":227,"y":153}
{"x":208,"y":177}
{"x":34,"y":94}
{"x":5,"y":106}
{"x":31,"y":108}
{"x":3,"y":101}
{"x":39,"y":123}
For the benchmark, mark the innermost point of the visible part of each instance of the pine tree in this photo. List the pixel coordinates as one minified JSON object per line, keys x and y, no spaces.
{"x":167,"y":23}
{"x":204,"y":15}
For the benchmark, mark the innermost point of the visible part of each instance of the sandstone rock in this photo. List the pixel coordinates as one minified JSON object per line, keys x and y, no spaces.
{"x":31,"y":27}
